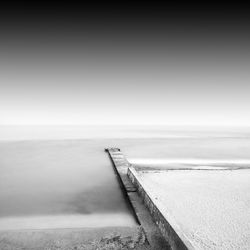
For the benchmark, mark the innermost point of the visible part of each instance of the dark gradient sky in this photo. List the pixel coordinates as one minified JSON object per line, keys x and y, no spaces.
{"x":178,"y":65}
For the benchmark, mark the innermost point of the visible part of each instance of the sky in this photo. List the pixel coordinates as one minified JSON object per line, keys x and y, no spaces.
{"x":178,"y":65}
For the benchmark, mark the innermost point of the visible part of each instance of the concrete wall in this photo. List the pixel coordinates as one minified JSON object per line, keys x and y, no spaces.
{"x":171,"y":233}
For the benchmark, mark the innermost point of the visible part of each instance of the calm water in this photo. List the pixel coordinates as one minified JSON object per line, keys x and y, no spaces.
{"x":61,"y":176}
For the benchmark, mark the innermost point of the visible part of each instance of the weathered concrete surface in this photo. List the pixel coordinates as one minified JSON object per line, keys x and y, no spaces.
{"x":167,"y":225}
{"x":207,"y":209}
{"x":152,"y":232}
{"x":121,"y":167}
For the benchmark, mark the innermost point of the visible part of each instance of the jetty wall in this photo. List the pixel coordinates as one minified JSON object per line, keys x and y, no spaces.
{"x":151,"y":230}
{"x":168,"y":227}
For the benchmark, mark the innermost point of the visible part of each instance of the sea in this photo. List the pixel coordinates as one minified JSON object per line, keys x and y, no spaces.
{"x":61,"y":176}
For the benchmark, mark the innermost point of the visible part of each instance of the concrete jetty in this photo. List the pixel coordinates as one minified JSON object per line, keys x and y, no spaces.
{"x":194,"y":208}
{"x":169,"y":228}
{"x":152,"y":232}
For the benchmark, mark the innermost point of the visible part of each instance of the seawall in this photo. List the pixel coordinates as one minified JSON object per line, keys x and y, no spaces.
{"x":152,"y":232}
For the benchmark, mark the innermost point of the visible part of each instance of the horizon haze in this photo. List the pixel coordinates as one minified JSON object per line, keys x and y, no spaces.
{"x":179,"y":65}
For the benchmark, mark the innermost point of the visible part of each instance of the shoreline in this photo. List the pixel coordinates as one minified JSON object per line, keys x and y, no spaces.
{"x":82,"y":238}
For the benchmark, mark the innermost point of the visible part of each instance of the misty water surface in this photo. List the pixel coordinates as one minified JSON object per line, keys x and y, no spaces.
{"x":63,"y":180}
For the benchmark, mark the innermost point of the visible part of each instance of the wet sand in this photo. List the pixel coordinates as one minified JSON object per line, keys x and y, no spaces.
{"x":101,"y":238}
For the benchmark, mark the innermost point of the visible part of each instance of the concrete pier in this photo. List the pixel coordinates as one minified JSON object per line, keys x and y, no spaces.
{"x":152,"y":232}
{"x":167,"y":225}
